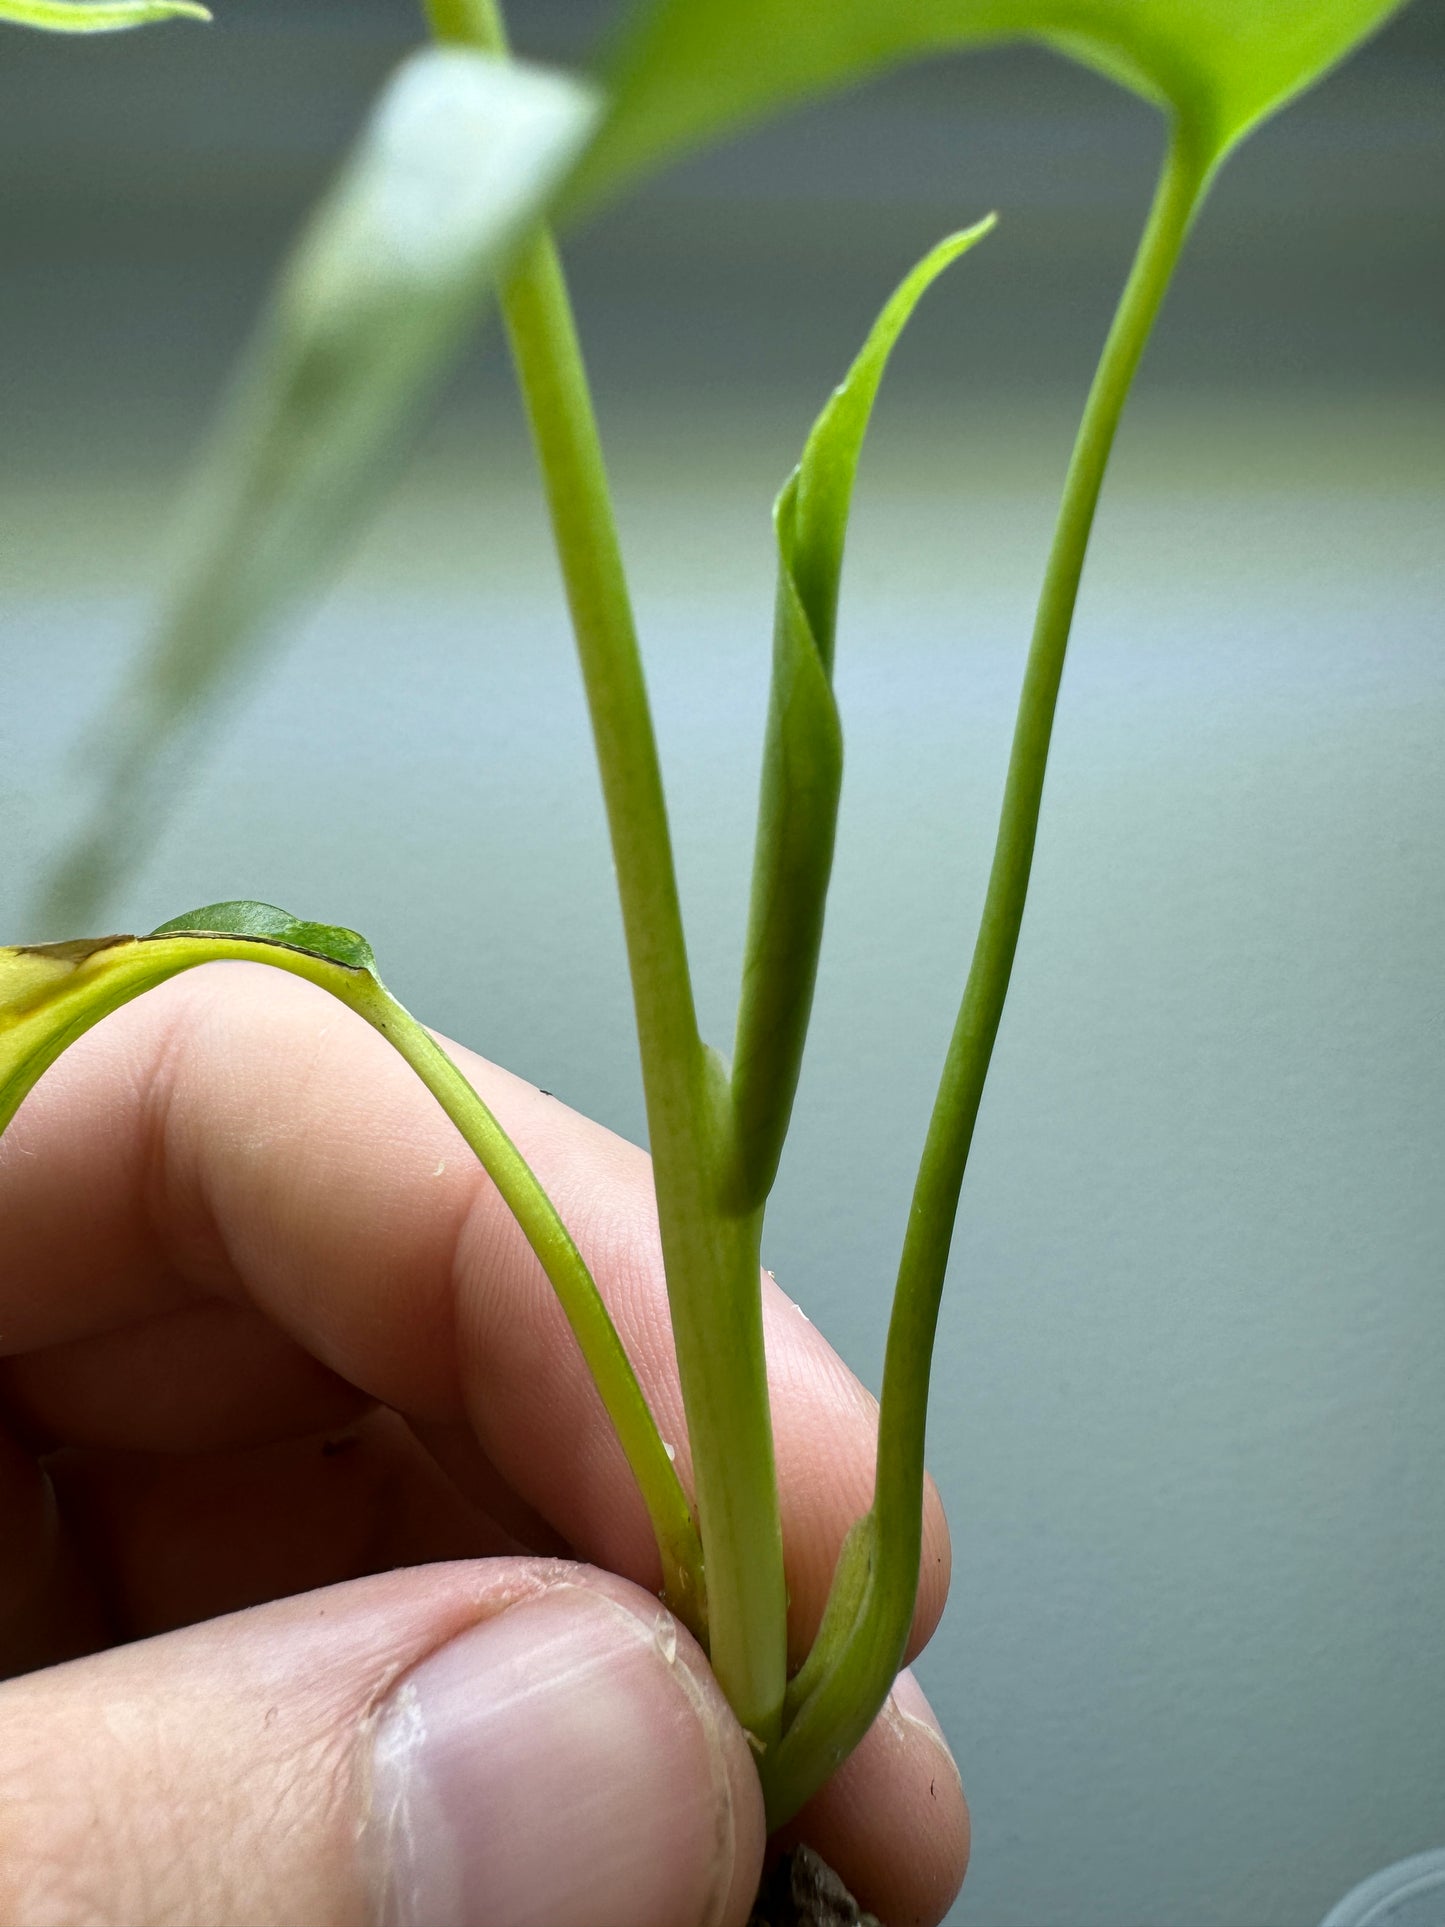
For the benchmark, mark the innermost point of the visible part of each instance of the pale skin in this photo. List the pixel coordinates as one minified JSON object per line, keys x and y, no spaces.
{"x":270,"y":1330}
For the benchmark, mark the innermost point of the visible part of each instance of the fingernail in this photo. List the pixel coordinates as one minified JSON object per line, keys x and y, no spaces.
{"x":555,"y":1766}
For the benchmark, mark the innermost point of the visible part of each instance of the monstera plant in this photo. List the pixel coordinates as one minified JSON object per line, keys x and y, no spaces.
{"x":440,"y":208}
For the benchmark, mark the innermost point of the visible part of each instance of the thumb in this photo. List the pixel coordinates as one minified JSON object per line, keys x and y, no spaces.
{"x":481,"y":1745}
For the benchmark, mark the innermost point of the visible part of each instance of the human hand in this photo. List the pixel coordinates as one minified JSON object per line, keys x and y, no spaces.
{"x":267,"y":1328}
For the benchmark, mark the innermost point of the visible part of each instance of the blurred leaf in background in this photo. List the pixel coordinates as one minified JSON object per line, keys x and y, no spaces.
{"x":698,"y":69}
{"x":107,"y":16}
{"x":391,"y":272}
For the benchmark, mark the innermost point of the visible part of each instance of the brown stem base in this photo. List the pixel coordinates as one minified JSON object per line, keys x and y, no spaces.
{"x":802,"y":1890}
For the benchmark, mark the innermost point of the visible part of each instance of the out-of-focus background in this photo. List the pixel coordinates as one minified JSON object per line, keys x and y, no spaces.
{"x":1188,"y":1414}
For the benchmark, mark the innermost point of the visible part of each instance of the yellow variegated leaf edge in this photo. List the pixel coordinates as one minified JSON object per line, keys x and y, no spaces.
{"x":52,"y":993}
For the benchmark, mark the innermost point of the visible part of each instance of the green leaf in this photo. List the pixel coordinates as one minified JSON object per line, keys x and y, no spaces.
{"x":698,"y":69}
{"x":803,"y":753}
{"x":389,"y":276}
{"x":106,"y":16}
{"x":52,"y":993}
{"x":270,"y":925}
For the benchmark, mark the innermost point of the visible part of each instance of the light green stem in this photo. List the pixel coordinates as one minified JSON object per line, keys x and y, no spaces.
{"x":711,"y":1258}
{"x":570,"y":1278}
{"x":469,"y":23}
{"x":853,"y":1683}
{"x":711,"y":1262}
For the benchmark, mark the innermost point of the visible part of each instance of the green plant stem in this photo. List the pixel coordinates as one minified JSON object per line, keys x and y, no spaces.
{"x":566,"y":1269}
{"x":955,"y":1111}
{"x":711,"y":1257}
{"x":468,"y":23}
{"x":850,"y":1689}
{"x":711,"y":1261}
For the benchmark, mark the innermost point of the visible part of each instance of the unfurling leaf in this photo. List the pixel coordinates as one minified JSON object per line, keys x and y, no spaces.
{"x":803,"y":754}
{"x":459,"y":156}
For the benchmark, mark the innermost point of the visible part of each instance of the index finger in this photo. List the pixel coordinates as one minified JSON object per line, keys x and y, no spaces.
{"x":238,"y":1135}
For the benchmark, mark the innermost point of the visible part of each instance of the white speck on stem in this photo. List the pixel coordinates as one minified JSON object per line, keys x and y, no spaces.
{"x":441,"y":1167}
{"x":671,"y":1450}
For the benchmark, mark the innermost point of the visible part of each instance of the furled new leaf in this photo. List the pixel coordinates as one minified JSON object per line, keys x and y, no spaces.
{"x":391,"y":272}
{"x":803,"y":752}
{"x":697,"y":69}
{"x":51,"y":994}
{"x":99,"y":16}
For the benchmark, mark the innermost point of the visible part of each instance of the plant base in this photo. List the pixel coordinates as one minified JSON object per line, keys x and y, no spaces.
{"x":802,"y":1890}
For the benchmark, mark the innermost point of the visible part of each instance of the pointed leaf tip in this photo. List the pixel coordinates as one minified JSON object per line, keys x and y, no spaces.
{"x":812,"y":514}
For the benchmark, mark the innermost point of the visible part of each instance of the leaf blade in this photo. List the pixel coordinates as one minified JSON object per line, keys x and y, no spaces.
{"x":266,"y":924}
{"x":695,"y":71}
{"x":50,"y":994}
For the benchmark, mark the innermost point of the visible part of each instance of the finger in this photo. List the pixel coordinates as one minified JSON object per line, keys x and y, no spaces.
{"x":475,"y":1744}
{"x":203,"y":1377}
{"x":172,"y":1539}
{"x":49,"y":1610}
{"x":893,"y":1821}
{"x":109,"y":1546}
{"x":238,"y":1134}
{"x":455,"y":1451}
